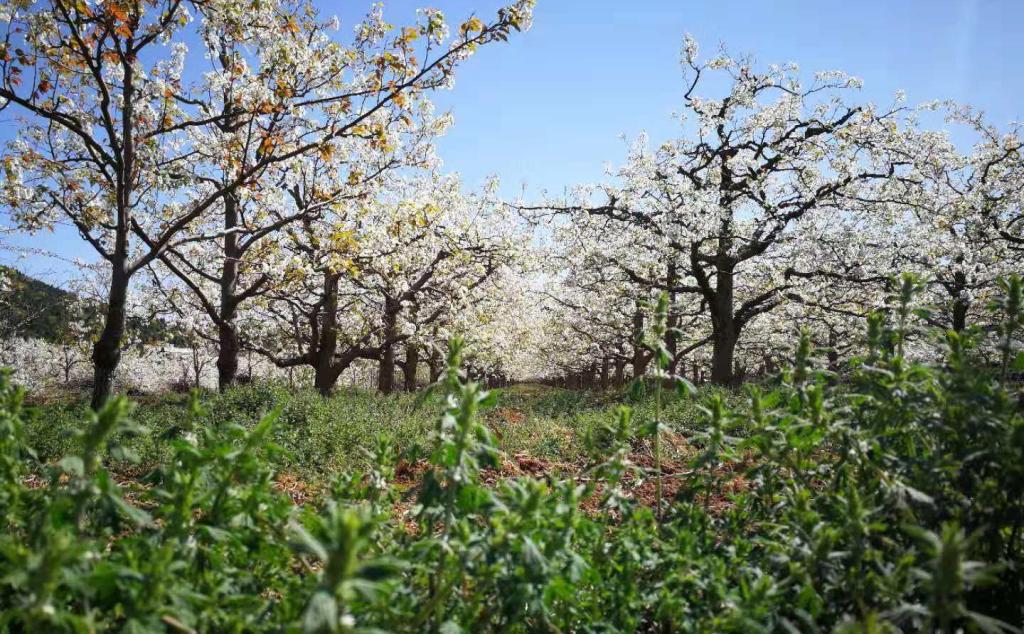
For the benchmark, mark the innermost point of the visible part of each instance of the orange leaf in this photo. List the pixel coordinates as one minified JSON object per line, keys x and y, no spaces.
{"x":117,"y":12}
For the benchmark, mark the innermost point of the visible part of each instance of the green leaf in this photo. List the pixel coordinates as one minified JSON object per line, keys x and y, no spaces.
{"x":380,"y":569}
{"x":303,"y":541}
{"x":450,"y":627}
{"x":72,"y":465}
{"x":134,"y":513}
{"x":488,"y":399}
{"x":1018,"y":363}
{"x":532,"y":556}
{"x":321,"y":614}
{"x":637,"y":389}
{"x":684,"y":388}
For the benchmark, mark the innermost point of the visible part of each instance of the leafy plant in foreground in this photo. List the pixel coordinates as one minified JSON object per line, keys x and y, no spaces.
{"x":889,"y":501}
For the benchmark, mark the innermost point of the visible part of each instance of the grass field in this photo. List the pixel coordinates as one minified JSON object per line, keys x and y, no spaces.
{"x":325,"y":437}
{"x":889,"y":501}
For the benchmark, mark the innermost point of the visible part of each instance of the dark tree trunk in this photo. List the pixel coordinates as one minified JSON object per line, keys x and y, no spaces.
{"x":722,"y":356}
{"x":324,"y":378}
{"x":672,"y":322}
{"x":960,"y":302}
{"x":197,"y":367}
{"x":326,"y":372}
{"x":106,"y":353}
{"x":960,"y":307}
{"x":620,"y":372}
{"x":739,"y":373}
{"x":227,"y":332}
{"x":726,"y":329}
{"x":605,"y":369}
{"x":386,"y":373}
{"x":436,"y":365}
{"x":69,"y":363}
{"x":412,"y":362}
{"x":327,"y":378}
{"x":833,"y":352}
{"x":228,"y":348}
{"x":639,"y":353}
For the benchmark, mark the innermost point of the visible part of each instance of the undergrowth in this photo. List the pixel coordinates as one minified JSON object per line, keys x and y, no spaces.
{"x":324,"y":437}
{"x":892,"y":501}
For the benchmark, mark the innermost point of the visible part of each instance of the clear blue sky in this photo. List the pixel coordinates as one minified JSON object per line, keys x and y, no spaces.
{"x":547,"y":108}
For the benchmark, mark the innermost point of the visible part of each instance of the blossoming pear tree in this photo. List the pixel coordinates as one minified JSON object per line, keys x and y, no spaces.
{"x":954,"y":213}
{"x":114,"y":130}
{"x":379,"y":272}
{"x":755,"y":162}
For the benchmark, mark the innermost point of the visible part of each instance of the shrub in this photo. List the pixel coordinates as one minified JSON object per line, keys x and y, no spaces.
{"x":891,"y":502}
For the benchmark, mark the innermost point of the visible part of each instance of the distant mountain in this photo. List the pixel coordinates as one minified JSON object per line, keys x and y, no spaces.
{"x":31,"y":307}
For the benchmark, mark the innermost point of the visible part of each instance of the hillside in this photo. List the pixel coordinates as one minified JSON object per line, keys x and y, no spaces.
{"x":32,"y":308}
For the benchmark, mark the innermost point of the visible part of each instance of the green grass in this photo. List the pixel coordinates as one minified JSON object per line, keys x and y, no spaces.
{"x":324,"y":437}
{"x":890,"y":501}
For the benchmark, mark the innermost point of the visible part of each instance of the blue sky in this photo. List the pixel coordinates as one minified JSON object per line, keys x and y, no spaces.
{"x":548,"y":107}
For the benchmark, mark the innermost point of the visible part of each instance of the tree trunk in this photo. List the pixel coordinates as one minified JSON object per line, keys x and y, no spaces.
{"x":325,"y":371}
{"x":639,"y":353}
{"x":960,"y":307}
{"x":833,"y":352}
{"x":725,"y":329}
{"x":605,"y":369}
{"x":227,"y":332}
{"x":324,"y":377}
{"x":960,"y":302}
{"x":739,"y":373}
{"x":672,"y":321}
{"x":620,"y":372}
{"x":68,"y":364}
{"x":436,"y":365}
{"x":722,"y":355}
{"x":386,"y":372}
{"x":106,"y":353}
{"x":228,"y":349}
{"x":412,"y":362}
{"x":197,"y":367}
